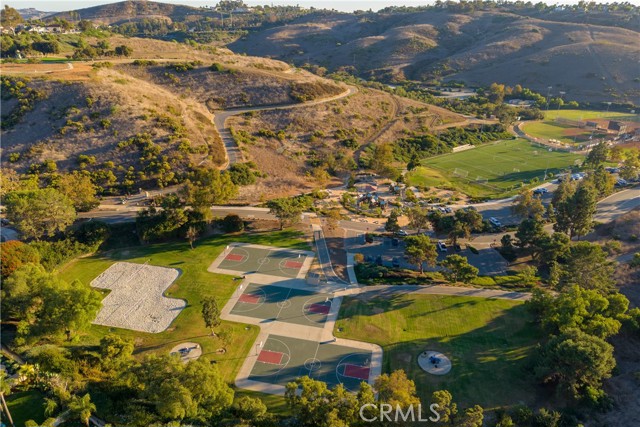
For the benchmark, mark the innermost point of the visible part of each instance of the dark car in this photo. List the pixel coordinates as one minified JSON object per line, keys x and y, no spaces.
{"x":395,"y":262}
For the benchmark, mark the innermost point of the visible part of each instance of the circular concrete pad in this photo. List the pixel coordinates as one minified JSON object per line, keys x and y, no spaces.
{"x":187,"y":351}
{"x":434,"y":362}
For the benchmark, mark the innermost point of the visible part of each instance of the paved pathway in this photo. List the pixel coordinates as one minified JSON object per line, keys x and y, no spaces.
{"x":234,"y":155}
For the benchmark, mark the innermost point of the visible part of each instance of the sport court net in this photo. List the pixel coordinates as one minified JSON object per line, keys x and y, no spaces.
{"x":249,"y":299}
{"x":271,"y":357}
{"x":319,"y":308}
{"x":356,"y":371}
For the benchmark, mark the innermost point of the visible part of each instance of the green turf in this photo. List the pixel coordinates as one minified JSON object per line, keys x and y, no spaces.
{"x":489,"y":342}
{"x":505,"y":165}
{"x":590,"y":114}
{"x":25,"y":406}
{"x":194,"y":284}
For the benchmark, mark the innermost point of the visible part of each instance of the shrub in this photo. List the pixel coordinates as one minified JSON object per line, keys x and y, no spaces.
{"x":54,"y":254}
{"x":93,"y":233}
{"x":14,"y":255}
{"x":232,"y":223}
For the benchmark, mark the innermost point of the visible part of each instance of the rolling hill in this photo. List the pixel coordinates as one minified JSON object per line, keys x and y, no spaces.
{"x":588,"y":62}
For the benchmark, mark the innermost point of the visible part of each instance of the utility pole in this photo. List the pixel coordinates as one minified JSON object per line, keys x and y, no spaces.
{"x":548,"y":97}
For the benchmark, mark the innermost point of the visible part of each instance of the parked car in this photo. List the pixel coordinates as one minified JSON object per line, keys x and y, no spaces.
{"x":402,"y":233}
{"x":540,"y":191}
{"x":621,"y":182}
{"x":395,"y":242}
{"x":395,"y":262}
{"x":442,"y":247}
{"x":495,"y":222}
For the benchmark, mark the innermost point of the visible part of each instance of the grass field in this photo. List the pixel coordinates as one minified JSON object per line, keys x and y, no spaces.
{"x":25,"y":406}
{"x":194,"y":284}
{"x":505,"y":165}
{"x":549,"y":129}
{"x":489,"y":342}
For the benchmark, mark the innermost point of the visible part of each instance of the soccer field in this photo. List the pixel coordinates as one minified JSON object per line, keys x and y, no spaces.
{"x":494,"y":168}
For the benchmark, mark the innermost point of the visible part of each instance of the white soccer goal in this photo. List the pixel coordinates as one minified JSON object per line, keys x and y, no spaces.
{"x":460,"y":172}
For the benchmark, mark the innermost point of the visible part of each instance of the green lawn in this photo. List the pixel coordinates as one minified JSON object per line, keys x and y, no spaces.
{"x":489,"y":342}
{"x":503,"y":166}
{"x":25,"y":406}
{"x":550,"y":129}
{"x":590,"y":114}
{"x":194,"y":284}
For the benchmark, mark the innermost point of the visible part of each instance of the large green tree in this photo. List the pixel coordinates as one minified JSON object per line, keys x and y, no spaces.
{"x":420,"y":250}
{"x":576,"y":362}
{"x":597,"y":156}
{"x":288,"y":209}
{"x":211,"y":314}
{"x":39,"y":213}
{"x":526,"y":205}
{"x":458,"y":269}
{"x":586,"y":265}
{"x":79,"y":189}
{"x":205,"y":187}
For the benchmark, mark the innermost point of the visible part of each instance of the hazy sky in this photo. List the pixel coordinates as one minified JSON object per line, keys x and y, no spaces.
{"x":345,"y":5}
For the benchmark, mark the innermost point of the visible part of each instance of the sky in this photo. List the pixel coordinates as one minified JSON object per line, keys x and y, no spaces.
{"x":344,"y":5}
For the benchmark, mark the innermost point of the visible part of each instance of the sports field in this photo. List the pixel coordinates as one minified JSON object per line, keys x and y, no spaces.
{"x":549,"y":128}
{"x":490,"y":343}
{"x":494,"y":169}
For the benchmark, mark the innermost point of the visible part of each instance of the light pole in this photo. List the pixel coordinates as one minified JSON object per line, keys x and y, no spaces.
{"x":548,"y":95}
{"x":561,"y":95}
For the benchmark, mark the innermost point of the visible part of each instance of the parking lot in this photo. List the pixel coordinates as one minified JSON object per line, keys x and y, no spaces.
{"x":390,"y":252}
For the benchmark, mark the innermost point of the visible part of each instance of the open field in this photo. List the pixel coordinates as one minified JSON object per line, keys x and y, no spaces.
{"x":502,"y":167}
{"x":194,"y":284}
{"x":488,"y":341}
{"x":550,"y":129}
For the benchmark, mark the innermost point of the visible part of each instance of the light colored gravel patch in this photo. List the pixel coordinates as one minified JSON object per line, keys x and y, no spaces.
{"x":136,"y":301}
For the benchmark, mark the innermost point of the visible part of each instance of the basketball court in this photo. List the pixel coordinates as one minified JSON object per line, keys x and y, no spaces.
{"x":283,"y":304}
{"x":251,"y":259}
{"x":281,"y":360}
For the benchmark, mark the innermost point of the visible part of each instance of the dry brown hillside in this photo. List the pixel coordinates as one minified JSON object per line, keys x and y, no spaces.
{"x":588,"y":62}
{"x":289,"y":146}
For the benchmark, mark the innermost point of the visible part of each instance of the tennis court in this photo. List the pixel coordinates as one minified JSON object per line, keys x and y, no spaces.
{"x":283,"y":304}
{"x":247,"y":259}
{"x":283,"y":359}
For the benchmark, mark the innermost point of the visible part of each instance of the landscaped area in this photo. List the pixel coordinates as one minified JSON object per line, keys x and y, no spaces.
{"x":489,"y":342}
{"x":492,"y":170}
{"x":194,"y":284}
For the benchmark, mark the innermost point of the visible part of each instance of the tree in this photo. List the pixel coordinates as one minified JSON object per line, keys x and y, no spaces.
{"x":39,"y":213}
{"x":392,"y":222}
{"x":460,"y":230}
{"x":552,"y":248}
{"x":602,"y":181}
{"x":206,"y":187}
{"x":457,"y":268}
{"x":288,"y":209}
{"x":630,"y":169}
{"x":382,"y":159}
{"x":232,"y":223}
{"x":45,"y":305}
{"x":250,"y":409}
{"x":333,"y":218}
{"x":586,"y":310}
{"x":526,"y":205}
{"x":192,"y":235}
{"x":314,"y":405}
{"x":447,"y":409}
{"x":473,"y":417}
{"x":211,"y":313}
{"x":14,"y":255}
{"x":396,"y":389}
{"x":575,"y":362}
{"x":9,"y":17}
{"x":418,"y":218}
{"x":242,"y":174}
{"x":574,"y":213}
{"x":115,"y":351}
{"x":597,"y":156}
{"x":123,"y":50}
{"x":82,"y":408}
{"x":79,"y":189}
{"x":530,"y":233}
{"x":587,"y":266}
{"x":419,"y":250}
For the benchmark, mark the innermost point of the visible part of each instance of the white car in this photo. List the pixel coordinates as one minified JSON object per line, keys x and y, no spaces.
{"x":495,"y":222}
{"x":442,"y":247}
{"x":402,"y":233}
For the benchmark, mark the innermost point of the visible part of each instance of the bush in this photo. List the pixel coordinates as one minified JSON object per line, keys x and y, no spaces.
{"x":241,"y":174}
{"x":54,"y":254}
{"x":484,"y":281}
{"x":93,"y":233}
{"x":635,"y":261}
{"x":14,"y":255}
{"x":232,"y":223}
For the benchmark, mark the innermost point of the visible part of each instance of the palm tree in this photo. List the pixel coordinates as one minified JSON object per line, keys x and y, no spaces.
{"x":82,"y":407}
